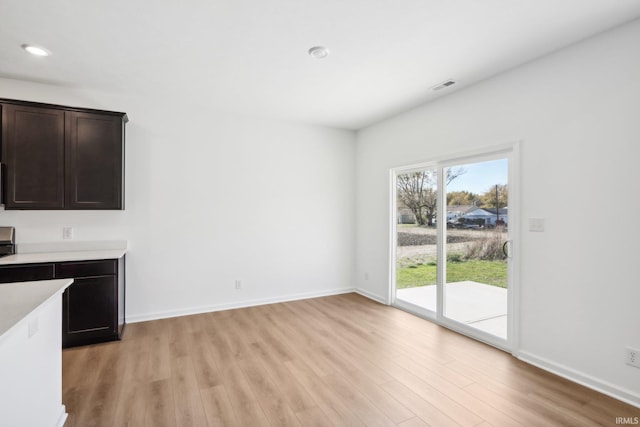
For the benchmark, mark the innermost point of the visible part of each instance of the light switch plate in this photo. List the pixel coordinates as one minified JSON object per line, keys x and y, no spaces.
{"x":536,"y":224}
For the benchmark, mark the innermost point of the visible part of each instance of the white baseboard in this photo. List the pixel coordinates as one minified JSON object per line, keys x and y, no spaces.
{"x":232,"y":305}
{"x":371,"y":296}
{"x":63,"y":416}
{"x":627,"y":396}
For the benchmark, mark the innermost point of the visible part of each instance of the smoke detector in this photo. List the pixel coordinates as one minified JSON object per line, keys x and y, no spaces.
{"x":318,"y":52}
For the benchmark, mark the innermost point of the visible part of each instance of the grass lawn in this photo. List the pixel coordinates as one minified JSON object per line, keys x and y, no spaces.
{"x":488,"y":272}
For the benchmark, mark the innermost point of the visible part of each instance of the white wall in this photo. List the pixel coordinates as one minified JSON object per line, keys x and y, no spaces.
{"x":577,"y":114}
{"x":211,"y":198}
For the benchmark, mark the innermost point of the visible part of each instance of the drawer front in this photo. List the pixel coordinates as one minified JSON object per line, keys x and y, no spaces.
{"x":25,"y":273}
{"x":86,"y":269}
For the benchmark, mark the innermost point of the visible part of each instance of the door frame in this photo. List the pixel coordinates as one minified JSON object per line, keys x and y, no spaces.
{"x":511,"y":151}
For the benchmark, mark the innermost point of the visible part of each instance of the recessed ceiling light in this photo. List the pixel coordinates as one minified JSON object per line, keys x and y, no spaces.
{"x":36,"y":50}
{"x":318,"y":52}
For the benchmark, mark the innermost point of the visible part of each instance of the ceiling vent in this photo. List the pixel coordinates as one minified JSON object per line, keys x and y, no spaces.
{"x":444,"y":84}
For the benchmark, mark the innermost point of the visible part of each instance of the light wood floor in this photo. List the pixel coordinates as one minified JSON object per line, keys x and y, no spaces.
{"x":340,"y":360}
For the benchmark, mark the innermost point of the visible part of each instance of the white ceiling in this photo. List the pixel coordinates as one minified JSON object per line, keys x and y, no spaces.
{"x":250,"y":56}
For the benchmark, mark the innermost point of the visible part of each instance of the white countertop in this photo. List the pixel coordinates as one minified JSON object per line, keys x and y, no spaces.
{"x":32,"y":253}
{"x":18,"y":300}
{"x":84,"y":255}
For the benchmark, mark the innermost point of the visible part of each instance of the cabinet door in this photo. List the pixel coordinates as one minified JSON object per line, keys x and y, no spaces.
{"x":89,"y":311}
{"x":33,"y":143}
{"x":94,"y":161}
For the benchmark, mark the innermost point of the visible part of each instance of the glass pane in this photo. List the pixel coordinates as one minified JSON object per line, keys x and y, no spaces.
{"x":416,"y":256}
{"x":477,"y":228}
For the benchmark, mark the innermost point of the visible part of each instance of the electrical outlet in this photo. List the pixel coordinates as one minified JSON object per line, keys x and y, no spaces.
{"x":67,"y":233}
{"x":633,"y":357}
{"x":238,"y":284}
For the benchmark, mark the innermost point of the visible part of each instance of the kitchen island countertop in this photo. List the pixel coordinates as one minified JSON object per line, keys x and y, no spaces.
{"x":18,"y":300}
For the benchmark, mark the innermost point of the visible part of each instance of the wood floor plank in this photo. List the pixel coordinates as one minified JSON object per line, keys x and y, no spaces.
{"x":137,"y":359}
{"x":314,"y":417}
{"x":339,"y":360}
{"x":218,"y":345}
{"x":206,"y":368}
{"x":159,"y":367}
{"x":556,"y":411}
{"x":242,"y":321}
{"x":435,"y":372}
{"x":333,"y":407}
{"x":293,"y":392}
{"x":454,"y":392}
{"x":218,"y":408}
{"x":526,"y":393}
{"x":99,"y":410}
{"x":389,"y":405}
{"x":604,"y":409}
{"x":268,"y":394}
{"x":510,"y":405}
{"x":178,"y":329}
{"x":269,"y":333}
{"x":160,"y":408}
{"x":186,"y":396}
{"x":132,"y":405}
{"x":304,"y":342}
{"x":79,"y":367}
{"x":357,"y":402}
{"x":343,"y":358}
{"x":429,"y":413}
{"x":414,"y":422}
{"x":233,"y":337}
{"x":74,"y":399}
{"x":242,"y":398}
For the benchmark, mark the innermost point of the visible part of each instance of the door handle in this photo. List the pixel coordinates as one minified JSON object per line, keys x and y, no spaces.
{"x":504,"y":249}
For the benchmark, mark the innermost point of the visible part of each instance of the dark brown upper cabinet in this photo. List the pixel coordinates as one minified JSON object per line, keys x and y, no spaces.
{"x":57,"y":157}
{"x":93,"y":161}
{"x":33,"y":156}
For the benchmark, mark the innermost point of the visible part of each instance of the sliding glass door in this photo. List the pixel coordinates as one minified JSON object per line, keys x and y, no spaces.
{"x":416,"y":238}
{"x":453,"y":252}
{"x":477,"y":235}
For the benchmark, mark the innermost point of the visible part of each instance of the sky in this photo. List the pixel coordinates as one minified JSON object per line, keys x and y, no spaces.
{"x":480,"y":177}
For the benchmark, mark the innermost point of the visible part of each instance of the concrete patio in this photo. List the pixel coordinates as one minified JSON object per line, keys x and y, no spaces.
{"x":478,"y":305}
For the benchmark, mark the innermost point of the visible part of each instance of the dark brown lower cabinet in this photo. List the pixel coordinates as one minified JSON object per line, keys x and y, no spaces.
{"x":90,"y":304}
{"x":92,"y":307}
